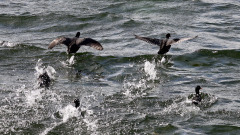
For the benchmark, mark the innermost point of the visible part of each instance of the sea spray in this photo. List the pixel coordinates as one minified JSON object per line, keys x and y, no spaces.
{"x":68,"y":62}
{"x":7,"y":44}
{"x":71,"y":61}
{"x":65,"y":113}
{"x":136,"y":87}
{"x":40,"y":69}
{"x":33,"y":96}
{"x":149,"y":69}
{"x":68,"y":112}
{"x":180,"y":107}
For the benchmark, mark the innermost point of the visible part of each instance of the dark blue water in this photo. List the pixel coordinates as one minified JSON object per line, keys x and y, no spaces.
{"x":126,"y":88}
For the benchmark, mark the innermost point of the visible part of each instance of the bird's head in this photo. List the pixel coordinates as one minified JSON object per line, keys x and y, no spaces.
{"x":168,"y":35}
{"x":77,"y":103}
{"x":78,"y":35}
{"x":197,"y":89}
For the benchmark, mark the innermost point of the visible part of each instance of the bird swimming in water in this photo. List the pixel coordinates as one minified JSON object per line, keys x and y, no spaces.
{"x":77,"y":104}
{"x":164,"y":44}
{"x":197,"y":99}
{"x":73,"y":44}
{"x":44,"y":80}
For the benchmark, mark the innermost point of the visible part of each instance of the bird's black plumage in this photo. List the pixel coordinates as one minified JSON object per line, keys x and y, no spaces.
{"x":164,"y":44}
{"x":44,"y":80}
{"x":76,"y":102}
{"x":197,"y":99}
{"x":73,"y":44}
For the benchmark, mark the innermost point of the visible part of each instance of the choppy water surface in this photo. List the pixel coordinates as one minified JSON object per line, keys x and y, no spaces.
{"x":126,"y":88}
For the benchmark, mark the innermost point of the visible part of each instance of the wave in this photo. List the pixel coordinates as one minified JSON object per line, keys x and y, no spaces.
{"x":8,"y":44}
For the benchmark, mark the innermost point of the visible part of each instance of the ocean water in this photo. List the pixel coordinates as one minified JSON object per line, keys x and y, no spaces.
{"x":126,"y":88}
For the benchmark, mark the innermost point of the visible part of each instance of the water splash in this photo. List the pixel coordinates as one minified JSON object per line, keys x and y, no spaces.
{"x":181,"y":107}
{"x":65,"y":113}
{"x":91,"y":122}
{"x":7,"y":44}
{"x":68,"y":112}
{"x":149,"y":68}
{"x":50,"y":128}
{"x":51,"y":72}
{"x":68,"y":62}
{"x":163,"y":60}
{"x":33,"y":96}
{"x":13,"y":105}
{"x":136,"y":87}
{"x":40,"y":69}
{"x":89,"y":101}
{"x":71,"y":60}
{"x":207,"y":99}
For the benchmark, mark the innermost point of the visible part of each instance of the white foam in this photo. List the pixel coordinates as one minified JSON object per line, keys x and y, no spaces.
{"x":33,"y":96}
{"x":182,"y":108}
{"x":163,"y":60}
{"x":71,"y":60}
{"x":68,"y":112}
{"x":7,"y":44}
{"x":91,"y":125}
{"x":133,"y":86}
{"x":50,"y":128}
{"x":51,"y":71}
{"x":40,"y":69}
{"x":87,"y":102}
{"x":68,"y":62}
{"x":19,"y":92}
{"x":127,"y":92}
{"x":188,"y":101}
{"x":64,"y":63}
{"x":91,"y":122}
{"x":149,"y":68}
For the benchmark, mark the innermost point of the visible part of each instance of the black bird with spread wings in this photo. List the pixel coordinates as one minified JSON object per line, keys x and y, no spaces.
{"x":164,"y":44}
{"x":73,"y":44}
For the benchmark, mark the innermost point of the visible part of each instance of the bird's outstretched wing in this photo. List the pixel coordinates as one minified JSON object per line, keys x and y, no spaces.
{"x":153,"y":41}
{"x":177,"y":40}
{"x":89,"y":42}
{"x":58,"y":41}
